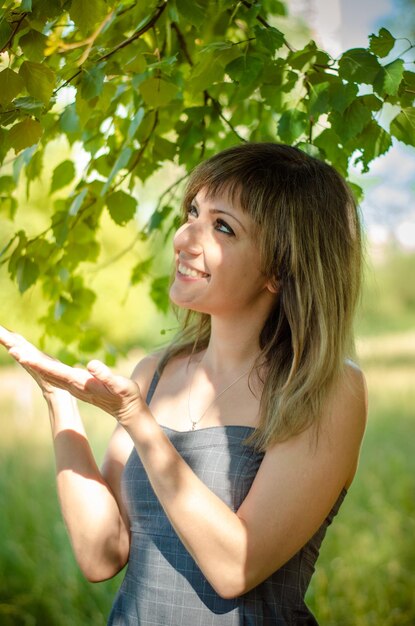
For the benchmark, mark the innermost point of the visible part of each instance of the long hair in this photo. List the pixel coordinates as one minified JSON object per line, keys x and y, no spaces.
{"x":308,"y":232}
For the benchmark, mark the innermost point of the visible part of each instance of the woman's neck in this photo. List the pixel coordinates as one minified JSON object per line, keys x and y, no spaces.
{"x":233,"y":346}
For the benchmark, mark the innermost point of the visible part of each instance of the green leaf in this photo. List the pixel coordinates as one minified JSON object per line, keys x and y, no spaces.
{"x":409,"y":80}
{"x":121,"y":207}
{"x":11,"y":84}
{"x":407,"y":89}
{"x":91,"y":341}
{"x":141,"y":271}
{"x":382,"y":43}
{"x":372,"y":142}
{"x":119,"y":164}
{"x":5,"y":33}
{"x":87,"y":14}
{"x":26,"y":5}
{"x":245,"y":69}
{"x":319,"y":99}
{"x":159,"y":293}
{"x":27,"y":273}
{"x":403,"y":126}
{"x":389,"y":78}
{"x":341,"y":95}
{"x":135,"y":123}
{"x":34,"y":168}
{"x":69,"y":120}
{"x":352,"y":121}
{"x":29,"y":105}
{"x":77,"y":202}
{"x":24,"y":134}
{"x":163,"y":150}
{"x":292,"y":125}
{"x":33,"y":45}
{"x":334,"y":152}
{"x":157,"y":92}
{"x":194,"y":11}
{"x":158,"y":218}
{"x":63,"y":174}
{"x":359,"y":65}
{"x":92,"y":82}
{"x":39,"y":80}
{"x":303,"y":59}
{"x":7,"y":184}
{"x":357,"y":191}
{"x":8,"y":205}
{"x":271,"y":39}
{"x":209,"y":68}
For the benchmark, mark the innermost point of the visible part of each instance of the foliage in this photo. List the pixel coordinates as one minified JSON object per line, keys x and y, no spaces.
{"x":135,"y":86}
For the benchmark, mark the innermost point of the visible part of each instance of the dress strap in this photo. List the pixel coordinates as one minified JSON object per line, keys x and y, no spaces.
{"x":153,"y":385}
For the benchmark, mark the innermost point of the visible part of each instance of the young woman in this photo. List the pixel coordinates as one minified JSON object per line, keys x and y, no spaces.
{"x":235,"y":447}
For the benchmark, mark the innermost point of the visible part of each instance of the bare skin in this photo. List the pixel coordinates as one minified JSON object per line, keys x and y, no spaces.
{"x":298,"y":481}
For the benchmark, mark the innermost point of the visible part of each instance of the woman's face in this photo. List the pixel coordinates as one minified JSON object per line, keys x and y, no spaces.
{"x":217,"y":260}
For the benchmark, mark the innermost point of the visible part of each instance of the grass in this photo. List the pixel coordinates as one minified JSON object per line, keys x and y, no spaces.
{"x":364,"y":577}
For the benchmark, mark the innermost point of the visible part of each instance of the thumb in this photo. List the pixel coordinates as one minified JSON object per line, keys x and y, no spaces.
{"x":100,"y":371}
{"x":114,"y":384}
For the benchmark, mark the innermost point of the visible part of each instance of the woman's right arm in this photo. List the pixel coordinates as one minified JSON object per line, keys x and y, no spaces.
{"x":90,"y":500}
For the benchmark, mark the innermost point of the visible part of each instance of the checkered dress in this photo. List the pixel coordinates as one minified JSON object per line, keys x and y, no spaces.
{"x":163,"y":586}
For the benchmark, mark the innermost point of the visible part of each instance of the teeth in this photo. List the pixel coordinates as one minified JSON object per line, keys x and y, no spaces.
{"x":189,"y":272}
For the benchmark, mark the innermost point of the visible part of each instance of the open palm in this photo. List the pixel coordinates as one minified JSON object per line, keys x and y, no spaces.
{"x":97,"y":385}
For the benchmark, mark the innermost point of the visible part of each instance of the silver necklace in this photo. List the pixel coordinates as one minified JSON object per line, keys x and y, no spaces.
{"x":199,"y":419}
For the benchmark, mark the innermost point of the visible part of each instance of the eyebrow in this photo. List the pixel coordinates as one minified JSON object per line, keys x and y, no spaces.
{"x":220,"y":212}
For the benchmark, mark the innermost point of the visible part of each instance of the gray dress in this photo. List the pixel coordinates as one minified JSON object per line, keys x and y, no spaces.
{"x":163,"y":586}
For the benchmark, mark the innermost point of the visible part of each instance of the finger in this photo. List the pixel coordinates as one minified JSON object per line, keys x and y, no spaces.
{"x":114,"y":383}
{"x":52,"y":370}
{"x":7,"y":338}
{"x":101,"y":372}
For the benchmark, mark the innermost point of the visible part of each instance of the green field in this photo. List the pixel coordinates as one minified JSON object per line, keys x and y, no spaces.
{"x":366,"y":573}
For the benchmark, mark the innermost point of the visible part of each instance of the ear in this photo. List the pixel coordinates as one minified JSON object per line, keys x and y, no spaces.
{"x":273,"y":285}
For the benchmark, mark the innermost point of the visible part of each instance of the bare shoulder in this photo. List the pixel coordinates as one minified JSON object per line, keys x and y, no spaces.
{"x":348,"y":402}
{"x":143,"y":371}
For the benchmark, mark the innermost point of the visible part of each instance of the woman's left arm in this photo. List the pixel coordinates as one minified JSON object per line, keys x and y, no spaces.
{"x":295,"y":488}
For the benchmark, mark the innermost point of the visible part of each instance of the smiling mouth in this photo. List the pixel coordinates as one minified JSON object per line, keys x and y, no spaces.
{"x":187,"y":271}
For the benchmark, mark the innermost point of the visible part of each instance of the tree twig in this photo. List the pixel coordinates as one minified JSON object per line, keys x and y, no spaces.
{"x":262,"y":21}
{"x":121,"y":45}
{"x":11,"y":37}
{"x":218,"y":108}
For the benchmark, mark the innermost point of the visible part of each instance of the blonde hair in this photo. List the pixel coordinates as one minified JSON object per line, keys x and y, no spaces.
{"x":309,"y":237}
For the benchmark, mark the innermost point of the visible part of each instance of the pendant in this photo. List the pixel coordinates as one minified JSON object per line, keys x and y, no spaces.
{"x":194,"y":425}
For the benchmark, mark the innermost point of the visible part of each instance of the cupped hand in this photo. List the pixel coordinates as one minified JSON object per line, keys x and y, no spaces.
{"x":97,"y":385}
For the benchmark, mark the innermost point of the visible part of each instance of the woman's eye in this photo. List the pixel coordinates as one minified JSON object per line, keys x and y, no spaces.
{"x":223,"y":227}
{"x":192,"y":211}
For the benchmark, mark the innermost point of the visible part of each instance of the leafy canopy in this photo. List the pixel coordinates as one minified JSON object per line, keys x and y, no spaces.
{"x":141,"y":84}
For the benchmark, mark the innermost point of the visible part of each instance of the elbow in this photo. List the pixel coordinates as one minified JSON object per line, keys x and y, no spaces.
{"x":232,"y":585}
{"x":98,"y":565}
{"x":98,"y":573}
{"x":99,"y":561}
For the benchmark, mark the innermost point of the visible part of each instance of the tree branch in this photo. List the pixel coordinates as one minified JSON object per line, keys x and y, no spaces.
{"x":16,"y":28}
{"x":121,"y":45}
{"x":182,"y":43}
{"x":262,"y":21}
{"x":218,"y":108}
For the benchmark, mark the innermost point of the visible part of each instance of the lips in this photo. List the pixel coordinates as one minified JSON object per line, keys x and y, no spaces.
{"x":190,"y":271}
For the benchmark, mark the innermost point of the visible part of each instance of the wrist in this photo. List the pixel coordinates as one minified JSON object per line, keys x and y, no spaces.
{"x":56,"y":398}
{"x":136,"y":418}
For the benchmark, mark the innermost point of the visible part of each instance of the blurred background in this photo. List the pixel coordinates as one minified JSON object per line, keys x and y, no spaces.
{"x":366,"y":574}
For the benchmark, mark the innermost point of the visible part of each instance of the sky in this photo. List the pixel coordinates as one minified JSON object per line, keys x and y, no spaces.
{"x":389,"y":207}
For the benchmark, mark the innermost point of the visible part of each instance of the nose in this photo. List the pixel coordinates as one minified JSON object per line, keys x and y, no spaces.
{"x":189,"y":238}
